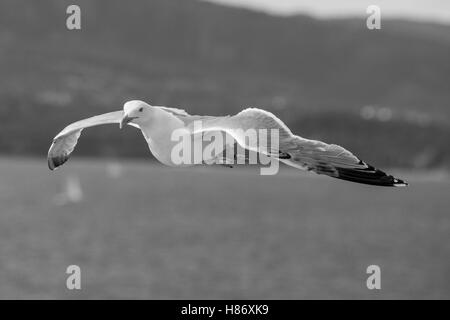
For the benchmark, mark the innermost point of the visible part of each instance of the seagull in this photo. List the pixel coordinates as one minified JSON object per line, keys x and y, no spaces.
{"x":157,"y":123}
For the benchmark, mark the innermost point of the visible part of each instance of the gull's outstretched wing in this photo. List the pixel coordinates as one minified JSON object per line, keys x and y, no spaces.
{"x":336,"y":162}
{"x":65,"y":141}
{"x":312,"y":155}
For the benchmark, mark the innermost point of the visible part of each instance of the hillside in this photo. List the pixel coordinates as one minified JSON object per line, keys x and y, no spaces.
{"x":316,"y":74}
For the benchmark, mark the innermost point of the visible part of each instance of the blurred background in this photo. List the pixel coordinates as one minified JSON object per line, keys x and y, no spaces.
{"x":140,"y":230}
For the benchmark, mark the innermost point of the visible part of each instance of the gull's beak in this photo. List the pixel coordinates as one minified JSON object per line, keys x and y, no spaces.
{"x":126,"y":119}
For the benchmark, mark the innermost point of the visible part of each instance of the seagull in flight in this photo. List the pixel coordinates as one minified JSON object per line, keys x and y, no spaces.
{"x":157,"y":124}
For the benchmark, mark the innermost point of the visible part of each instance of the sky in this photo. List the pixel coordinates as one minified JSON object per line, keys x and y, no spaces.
{"x":423,"y":10}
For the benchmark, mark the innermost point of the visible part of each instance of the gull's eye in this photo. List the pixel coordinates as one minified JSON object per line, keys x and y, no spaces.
{"x":141,"y":109}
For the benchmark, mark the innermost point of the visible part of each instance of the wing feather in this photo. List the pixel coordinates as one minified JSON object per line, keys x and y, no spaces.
{"x":64,"y":142}
{"x":312,"y":155}
{"x":174,"y":111}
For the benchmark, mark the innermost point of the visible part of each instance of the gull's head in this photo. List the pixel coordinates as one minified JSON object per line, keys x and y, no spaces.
{"x":135,"y":111}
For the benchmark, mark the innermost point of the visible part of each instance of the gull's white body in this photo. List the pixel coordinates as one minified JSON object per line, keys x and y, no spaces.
{"x":158,"y":123}
{"x":159,"y":137}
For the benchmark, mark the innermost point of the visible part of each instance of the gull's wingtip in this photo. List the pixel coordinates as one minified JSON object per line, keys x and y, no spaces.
{"x":369,"y":175}
{"x":400,"y":183}
{"x":50,"y":164}
{"x":54,"y":162}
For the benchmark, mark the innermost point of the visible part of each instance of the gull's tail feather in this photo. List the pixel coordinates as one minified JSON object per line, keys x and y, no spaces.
{"x":369,"y":175}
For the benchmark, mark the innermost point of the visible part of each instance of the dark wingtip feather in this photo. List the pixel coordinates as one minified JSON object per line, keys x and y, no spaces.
{"x":50,"y":164}
{"x":400,"y":183}
{"x":55,"y":162}
{"x":369,"y":175}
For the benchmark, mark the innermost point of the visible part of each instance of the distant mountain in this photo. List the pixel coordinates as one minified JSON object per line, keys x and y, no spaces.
{"x":215,"y":59}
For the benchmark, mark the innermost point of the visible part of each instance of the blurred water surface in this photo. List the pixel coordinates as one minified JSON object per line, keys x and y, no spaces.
{"x":157,"y":232}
